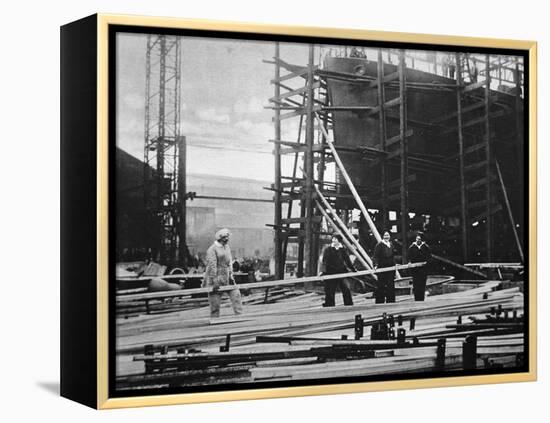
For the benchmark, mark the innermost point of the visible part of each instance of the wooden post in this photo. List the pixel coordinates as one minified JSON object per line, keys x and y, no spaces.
{"x":440,"y":354}
{"x":352,"y":187}
{"x":382,"y":137}
{"x":308,"y":189}
{"x":404,"y":155}
{"x":182,"y":196}
{"x":463,"y":210}
{"x":458,"y":266}
{"x":359,"y":327}
{"x":344,"y":238}
{"x":469,"y":353}
{"x":321,"y":174}
{"x":344,"y":229}
{"x":509,"y":209}
{"x":519,"y":140}
{"x":279,"y":259}
{"x":301,"y":242}
{"x":346,"y":233}
{"x":489,"y":221}
{"x":290,"y":202}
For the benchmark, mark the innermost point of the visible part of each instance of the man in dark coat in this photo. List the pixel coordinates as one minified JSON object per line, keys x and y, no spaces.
{"x":384,"y":257}
{"x":419,"y":251}
{"x":336,"y":260}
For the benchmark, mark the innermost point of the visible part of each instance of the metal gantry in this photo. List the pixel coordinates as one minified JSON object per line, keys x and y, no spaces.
{"x":164,"y":151}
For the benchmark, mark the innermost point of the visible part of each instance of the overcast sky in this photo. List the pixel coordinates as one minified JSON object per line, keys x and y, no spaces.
{"x":224,"y":88}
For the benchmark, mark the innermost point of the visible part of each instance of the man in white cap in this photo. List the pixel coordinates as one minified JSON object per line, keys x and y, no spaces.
{"x":219,"y":272}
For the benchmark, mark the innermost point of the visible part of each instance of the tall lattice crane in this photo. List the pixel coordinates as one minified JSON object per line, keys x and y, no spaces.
{"x":164,"y":152}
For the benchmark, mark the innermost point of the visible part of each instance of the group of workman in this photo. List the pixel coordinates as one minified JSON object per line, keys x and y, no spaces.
{"x":335,"y":260}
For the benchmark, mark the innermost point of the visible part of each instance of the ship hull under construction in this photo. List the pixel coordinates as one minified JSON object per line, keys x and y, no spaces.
{"x":433,"y":182}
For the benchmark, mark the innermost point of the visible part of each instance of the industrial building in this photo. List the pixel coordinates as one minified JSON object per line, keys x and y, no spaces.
{"x":219,"y":202}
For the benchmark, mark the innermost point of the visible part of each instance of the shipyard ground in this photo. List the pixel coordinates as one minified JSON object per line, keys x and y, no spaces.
{"x":174,"y":343}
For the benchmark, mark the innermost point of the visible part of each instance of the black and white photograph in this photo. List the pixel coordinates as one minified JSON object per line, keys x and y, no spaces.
{"x":294,"y":212}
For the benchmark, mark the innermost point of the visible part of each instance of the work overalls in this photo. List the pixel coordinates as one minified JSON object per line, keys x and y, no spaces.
{"x":219,"y":273}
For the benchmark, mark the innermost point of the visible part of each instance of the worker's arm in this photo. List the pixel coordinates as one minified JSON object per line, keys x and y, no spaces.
{"x":375,"y":256}
{"x":348,"y":262}
{"x":231,"y":277}
{"x":323,"y":264}
{"x":211,"y":271}
{"x":428,"y":253}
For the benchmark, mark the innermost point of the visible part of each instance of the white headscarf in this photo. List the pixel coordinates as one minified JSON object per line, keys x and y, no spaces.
{"x":221,"y":233}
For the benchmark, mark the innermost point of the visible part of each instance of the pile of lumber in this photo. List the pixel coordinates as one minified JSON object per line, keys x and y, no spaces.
{"x":136,"y":301}
{"x":161,"y":304}
{"x":294,"y":338}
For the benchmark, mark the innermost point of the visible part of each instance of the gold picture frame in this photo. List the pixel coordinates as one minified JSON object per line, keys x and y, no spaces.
{"x":98,"y":318}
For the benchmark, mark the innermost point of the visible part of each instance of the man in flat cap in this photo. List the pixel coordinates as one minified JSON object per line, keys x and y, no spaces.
{"x":219,"y":272}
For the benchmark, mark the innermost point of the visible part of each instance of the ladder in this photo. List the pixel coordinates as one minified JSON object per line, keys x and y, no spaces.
{"x":476,"y":158}
{"x":396,"y":146}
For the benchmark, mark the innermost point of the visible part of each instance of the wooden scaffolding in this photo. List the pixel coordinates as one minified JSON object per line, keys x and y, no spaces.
{"x":483,"y":192}
{"x":301,"y":93}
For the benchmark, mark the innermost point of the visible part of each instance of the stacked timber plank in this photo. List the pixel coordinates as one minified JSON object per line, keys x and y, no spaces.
{"x":293,"y":337}
{"x":136,"y":306}
{"x":132,"y":302}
